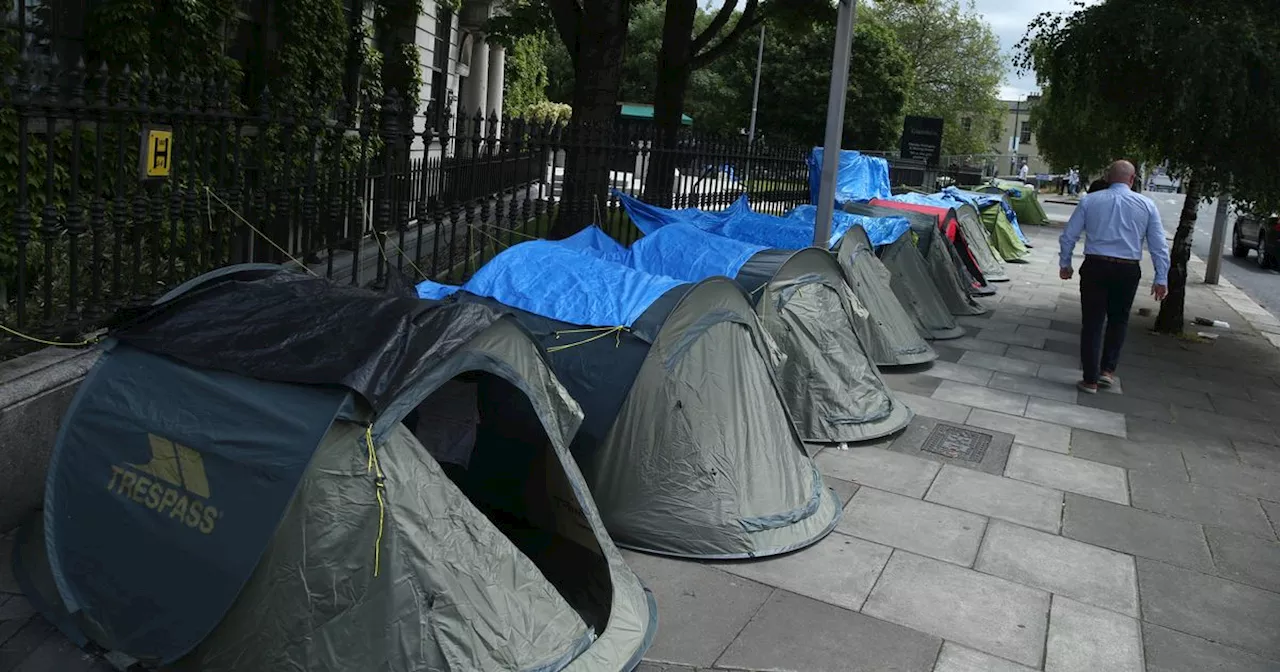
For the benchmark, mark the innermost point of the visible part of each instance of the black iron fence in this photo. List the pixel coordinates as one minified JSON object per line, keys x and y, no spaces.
{"x":122,"y":185}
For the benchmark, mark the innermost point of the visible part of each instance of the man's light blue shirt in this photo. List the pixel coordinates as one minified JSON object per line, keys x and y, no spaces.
{"x":1114,"y":222}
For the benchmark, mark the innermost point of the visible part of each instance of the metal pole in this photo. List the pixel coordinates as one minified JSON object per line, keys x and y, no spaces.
{"x":755,"y":94}
{"x":1214,"y":263}
{"x":835,"y":122}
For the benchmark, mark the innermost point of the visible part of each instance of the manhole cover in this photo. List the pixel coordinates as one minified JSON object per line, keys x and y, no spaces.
{"x":957,"y":442}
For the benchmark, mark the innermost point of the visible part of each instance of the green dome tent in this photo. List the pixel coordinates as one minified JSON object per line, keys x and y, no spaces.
{"x":272,"y":500}
{"x":1025,"y":201}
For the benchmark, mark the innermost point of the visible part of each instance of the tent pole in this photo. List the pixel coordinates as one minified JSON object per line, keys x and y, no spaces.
{"x":835,"y":122}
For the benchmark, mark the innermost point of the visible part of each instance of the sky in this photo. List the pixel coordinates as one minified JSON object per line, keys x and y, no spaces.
{"x":1009,"y":19}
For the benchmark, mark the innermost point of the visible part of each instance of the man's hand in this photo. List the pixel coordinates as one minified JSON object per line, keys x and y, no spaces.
{"x":1159,"y":291}
{"x":1065,"y":273}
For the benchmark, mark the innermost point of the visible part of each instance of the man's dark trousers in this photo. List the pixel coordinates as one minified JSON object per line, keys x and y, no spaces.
{"x":1107,"y":288}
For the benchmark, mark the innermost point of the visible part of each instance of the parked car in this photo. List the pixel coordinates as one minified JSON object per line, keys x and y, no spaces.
{"x":1162,"y":183}
{"x":1257,"y":232}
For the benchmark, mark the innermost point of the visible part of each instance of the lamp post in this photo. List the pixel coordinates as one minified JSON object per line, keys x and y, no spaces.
{"x":755,"y":94}
{"x":835,"y":122}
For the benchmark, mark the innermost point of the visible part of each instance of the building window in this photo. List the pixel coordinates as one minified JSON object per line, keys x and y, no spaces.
{"x":440,"y":68}
{"x":967,"y":125}
{"x":995,"y":131}
{"x":1026,"y":133}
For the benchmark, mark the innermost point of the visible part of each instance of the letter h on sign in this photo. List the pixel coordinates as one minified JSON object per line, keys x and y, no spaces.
{"x":156,"y":156}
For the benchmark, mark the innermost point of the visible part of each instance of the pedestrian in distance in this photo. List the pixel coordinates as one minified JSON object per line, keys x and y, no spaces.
{"x":1115,"y":221}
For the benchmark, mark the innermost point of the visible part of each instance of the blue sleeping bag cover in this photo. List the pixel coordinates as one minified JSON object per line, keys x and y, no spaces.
{"x":555,"y":281}
{"x":858,"y":177}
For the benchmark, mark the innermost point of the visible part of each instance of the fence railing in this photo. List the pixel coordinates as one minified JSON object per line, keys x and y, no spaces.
{"x":122,"y":185}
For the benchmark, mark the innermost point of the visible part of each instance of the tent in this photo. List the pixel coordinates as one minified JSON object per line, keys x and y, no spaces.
{"x":963,"y":227}
{"x":1025,"y":201}
{"x":687,"y":443}
{"x":834,"y":392}
{"x":888,"y":331}
{"x":858,"y":177}
{"x":984,"y":200}
{"x":902,"y":266}
{"x":272,"y":503}
{"x":953,"y":282}
{"x":1005,"y":239}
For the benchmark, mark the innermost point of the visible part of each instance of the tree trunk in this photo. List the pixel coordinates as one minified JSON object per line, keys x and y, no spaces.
{"x":675,"y":67}
{"x":1170,"y":319}
{"x":597,"y":69}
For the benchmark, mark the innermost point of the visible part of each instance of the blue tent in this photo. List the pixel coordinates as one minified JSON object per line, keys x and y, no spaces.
{"x":858,"y":177}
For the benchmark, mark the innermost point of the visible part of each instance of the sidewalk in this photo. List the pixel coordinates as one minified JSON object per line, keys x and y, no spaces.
{"x":1020,"y":525}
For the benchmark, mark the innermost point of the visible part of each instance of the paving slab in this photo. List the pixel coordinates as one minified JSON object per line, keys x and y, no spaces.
{"x":830,"y":638}
{"x":647,"y":666}
{"x":1074,"y":415}
{"x":956,"y":444}
{"x":1072,"y":338}
{"x":1151,"y":389}
{"x":701,"y":609}
{"x":1259,"y":455}
{"x":982,"y":612}
{"x":956,"y":658}
{"x":998,"y":497}
{"x":977,"y":396}
{"x":1042,"y":356}
{"x":976,"y":345}
{"x":960,"y":373}
{"x":1233,"y":476}
{"x":1199,"y":503}
{"x":1207,"y":606}
{"x":1036,"y":433}
{"x":1190,"y":442}
{"x":947,"y":354}
{"x":1035,"y":387}
{"x":1273,"y":514}
{"x":920,"y":527}
{"x":1171,"y":651}
{"x":879,"y":468}
{"x":911,"y":380}
{"x":1062,"y":347}
{"x":1062,"y":472}
{"x":1245,"y":558}
{"x":1158,"y":458}
{"x":1134,"y":531}
{"x":1212,"y":422}
{"x":935,"y":408}
{"x":1000,"y":364}
{"x":1083,"y":572}
{"x":844,"y":490}
{"x":1010,"y":338}
{"x":838,"y":570}
{"x":1064,"y":374}
{"x":1128,"y":405}
{"x":1084,"y":638}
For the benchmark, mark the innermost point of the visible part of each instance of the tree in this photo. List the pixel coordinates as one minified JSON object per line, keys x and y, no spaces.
{"x":594,"y":33}
{"x":795,"y":80}
{"x":525,"y":74}
{"x":956,"y":67}
{"x":1197,"y":84}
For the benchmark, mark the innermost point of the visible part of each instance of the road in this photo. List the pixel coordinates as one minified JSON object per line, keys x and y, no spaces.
{"x":1261,"y":286}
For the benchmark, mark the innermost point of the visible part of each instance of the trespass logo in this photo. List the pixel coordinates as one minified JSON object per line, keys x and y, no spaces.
{"x":172,"y":484}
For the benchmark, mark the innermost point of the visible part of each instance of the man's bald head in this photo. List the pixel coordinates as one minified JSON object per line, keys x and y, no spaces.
{"x":1121,"y":172}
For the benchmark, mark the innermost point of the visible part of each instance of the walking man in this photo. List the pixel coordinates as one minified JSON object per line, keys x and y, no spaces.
{"x":1114,"y":222}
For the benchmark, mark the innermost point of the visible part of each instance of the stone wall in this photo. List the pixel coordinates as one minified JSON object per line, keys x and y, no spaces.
{"x":35,"y":391}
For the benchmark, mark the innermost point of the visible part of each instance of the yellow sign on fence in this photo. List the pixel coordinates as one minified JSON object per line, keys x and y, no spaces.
{"x":157,"y":153}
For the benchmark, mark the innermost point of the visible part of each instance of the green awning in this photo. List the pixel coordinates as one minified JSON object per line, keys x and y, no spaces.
{"x":642,"y":111}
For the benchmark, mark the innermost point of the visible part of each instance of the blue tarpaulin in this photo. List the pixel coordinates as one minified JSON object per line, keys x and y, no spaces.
{"x":428,"y":289}
{"x":934,"y":200}
{"x":649,"y":218}
{"x":691,"y":254}
{"x":981,"y":201}
{"x":881,"y":230}
{"x":858,"y":178}
{"x":592,"y":240}
{"x":553,"y":280}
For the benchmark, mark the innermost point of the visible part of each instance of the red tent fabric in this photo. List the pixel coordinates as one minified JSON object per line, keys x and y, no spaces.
{"x":948,"y":224}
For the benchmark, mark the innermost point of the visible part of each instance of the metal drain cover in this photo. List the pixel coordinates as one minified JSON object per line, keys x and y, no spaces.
{"x":957,"y":442}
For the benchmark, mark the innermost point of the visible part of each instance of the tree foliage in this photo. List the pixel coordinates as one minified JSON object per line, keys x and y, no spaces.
{"x":956,"y":67}
{"x":1197,"y":84}
{"x":525,"y":73}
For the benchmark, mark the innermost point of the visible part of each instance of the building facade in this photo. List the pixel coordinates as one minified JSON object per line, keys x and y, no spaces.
{"x":1013,"y":141}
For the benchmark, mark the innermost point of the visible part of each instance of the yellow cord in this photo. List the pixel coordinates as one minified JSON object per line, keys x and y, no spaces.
{"x":605,"y":331}
{"x":264,"y":236}
{"x":379,"y":485}
{"x":41,"y":341}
